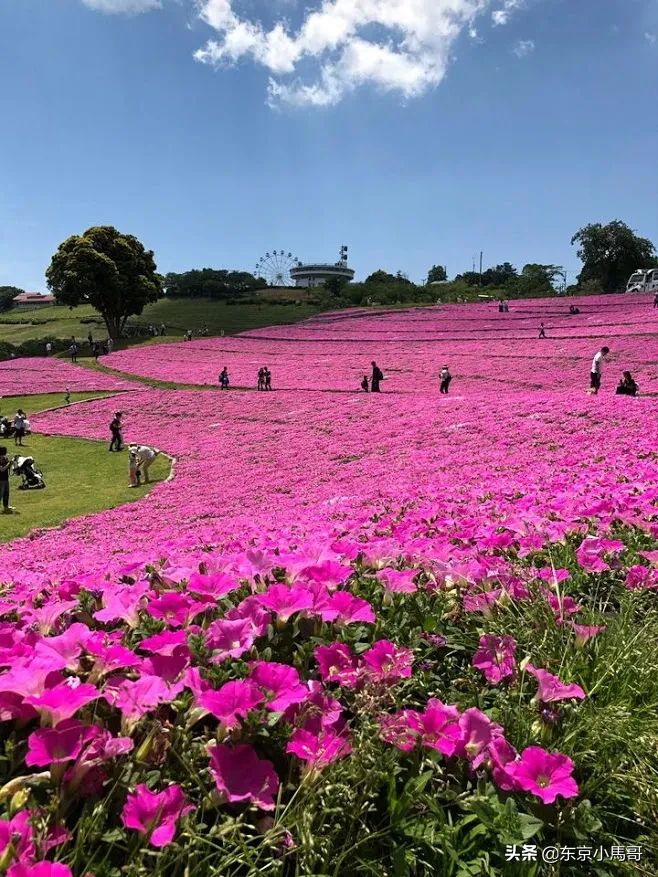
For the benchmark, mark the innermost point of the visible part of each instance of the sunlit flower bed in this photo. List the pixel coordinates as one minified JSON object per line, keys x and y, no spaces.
{"x":484,"y":349}
{"x":353,"y":635}
{"x":30,"y":375}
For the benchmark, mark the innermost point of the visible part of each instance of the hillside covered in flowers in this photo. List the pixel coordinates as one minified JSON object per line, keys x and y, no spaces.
{"x":394,"y":634}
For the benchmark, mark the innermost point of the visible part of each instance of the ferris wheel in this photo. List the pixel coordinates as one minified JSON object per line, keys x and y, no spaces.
{"x":275,"y":267}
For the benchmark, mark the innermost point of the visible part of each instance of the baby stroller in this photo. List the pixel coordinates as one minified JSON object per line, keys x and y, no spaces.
{"x":32,"y":476}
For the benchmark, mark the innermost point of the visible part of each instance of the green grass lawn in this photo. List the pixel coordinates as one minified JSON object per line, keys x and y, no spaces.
{"x":82,"y":477}
{"x":179,"y":315}
{"x":41,"y":402}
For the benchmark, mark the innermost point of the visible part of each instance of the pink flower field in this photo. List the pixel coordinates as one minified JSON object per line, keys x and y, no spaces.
{"x":350,"y":625}
{"x":33,"y":375}
{"x":484,"y":348}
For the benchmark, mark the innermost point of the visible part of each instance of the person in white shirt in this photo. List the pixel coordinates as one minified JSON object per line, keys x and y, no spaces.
{"x":140,"y":459}
{"x":595,"y":376}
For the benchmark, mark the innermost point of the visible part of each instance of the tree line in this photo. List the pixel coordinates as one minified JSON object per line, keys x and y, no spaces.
{"x":117,"y":275}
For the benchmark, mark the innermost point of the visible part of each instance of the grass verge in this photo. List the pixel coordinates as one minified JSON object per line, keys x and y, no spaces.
{"x":82,"y":477}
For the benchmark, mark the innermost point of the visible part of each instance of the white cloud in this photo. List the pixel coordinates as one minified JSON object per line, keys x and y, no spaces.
{"x":125,"y":7}
{"x":410,"y":56}
{"x":501,"y":16}
{"x":524,"y":48}
{"x":651,"y":38}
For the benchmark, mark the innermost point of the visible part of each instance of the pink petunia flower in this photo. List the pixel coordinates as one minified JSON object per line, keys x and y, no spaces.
{"x":58,"y":745}
{"x":156,"y":814}
{"x":62,"y":701}
{"x":231,"y":702}
{"x":501,"y":755}
{"x":279,"y":682}
{"x":438,"y":727}
{"x":551,"y":688}
{"x":386,"y":662}
{"x":40,"y":869}
{"x":319,"y":749}
{"x":344,"y":608}
{"x":337,"y":664}
{"x":477,"y":732}
{"x":545,"y":774}
{"x":240,"y":775}
{"x":496,"y":658}
{"x":398,"y":581}
{"x":284,"y":601}
{"x":230,"y":639}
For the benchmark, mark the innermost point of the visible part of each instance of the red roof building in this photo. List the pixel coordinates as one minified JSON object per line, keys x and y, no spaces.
{"x":33,"y":300}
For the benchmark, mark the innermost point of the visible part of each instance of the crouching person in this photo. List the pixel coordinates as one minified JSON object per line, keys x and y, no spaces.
{"x":140,"y":458}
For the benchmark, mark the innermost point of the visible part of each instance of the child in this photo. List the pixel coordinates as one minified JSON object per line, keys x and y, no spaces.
{"x":223,"y":379}
{"x":364,"y":384}
{"x":67,"y":396}
{"x":115,"y":429}
{"x":542,"y":331}
{"x":5,"y":466}
{"x":445,"y":378}
{"x":134,"y":475}
{"x":627,"y":386}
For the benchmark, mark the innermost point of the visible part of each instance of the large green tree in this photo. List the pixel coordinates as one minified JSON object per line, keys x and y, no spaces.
{"x":436,"y":274}
{"x":536,"y":279}
{"x":7,"y":296}
{"x":610,"y":254}
{"x":111,"y":271}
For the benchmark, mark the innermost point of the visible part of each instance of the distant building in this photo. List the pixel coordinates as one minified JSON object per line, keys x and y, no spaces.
{"x":313,"y":274}
{"x":29,"y":300}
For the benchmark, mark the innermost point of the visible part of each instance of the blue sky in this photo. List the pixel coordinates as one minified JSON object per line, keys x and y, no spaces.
{"x":417,"y":132}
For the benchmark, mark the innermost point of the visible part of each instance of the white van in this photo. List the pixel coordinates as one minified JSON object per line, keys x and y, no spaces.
{"x":643,"y":280}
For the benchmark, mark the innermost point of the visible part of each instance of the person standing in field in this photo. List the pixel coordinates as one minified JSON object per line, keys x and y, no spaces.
{"x":376,"y":378}
{"x":115,"y":428}
{"x":595,"y":375}
{"x":268,"y":379}
{"x":49,"y":348}
{"x":5,"y":466}
{"x":364,"y":384}
{"x":223,"y":379}
{"x":20,"y":419}
{"x":110,"y":345}
{"x":67,"y":396}
{"x":655,"y":300}
{"x":445,"y":378}
{"x":261,"y":378}
{"x":542,"y":331}
{"x":73,"y":352}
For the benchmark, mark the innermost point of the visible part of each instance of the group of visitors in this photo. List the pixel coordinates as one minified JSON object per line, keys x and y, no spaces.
{"x":202,"y":333}
{"x":155,"y":331}
{"x":264,"y":378}
{"x":503,"y":306}
{"x":96,"y":348}
{"x":626,"y":386}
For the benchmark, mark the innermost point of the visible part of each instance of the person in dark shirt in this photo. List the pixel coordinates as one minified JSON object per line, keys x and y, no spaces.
{"x":542,"y":331}
{"x":115,"y":428}
{"x":223,"y":379}
{"x":627,"y":386}
{"x":5,"y":466}
{"x":377,"y":377}
{"x":364,"y":384}
{"x":268,"y":379}
{"x":261,"y":379}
